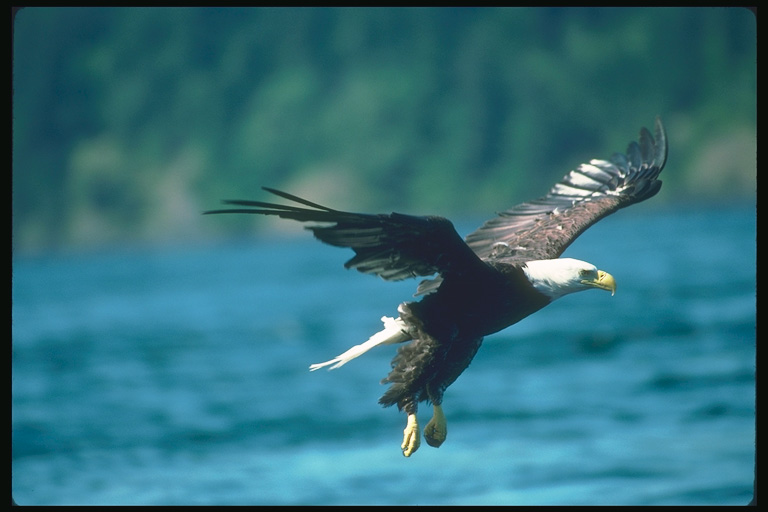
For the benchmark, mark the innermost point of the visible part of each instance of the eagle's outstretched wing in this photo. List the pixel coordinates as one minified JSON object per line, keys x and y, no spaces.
{"x":393,"y":246}
{"x":544,"y":228}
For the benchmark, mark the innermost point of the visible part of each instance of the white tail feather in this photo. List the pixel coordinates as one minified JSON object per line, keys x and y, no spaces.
{"x":393,"y":332}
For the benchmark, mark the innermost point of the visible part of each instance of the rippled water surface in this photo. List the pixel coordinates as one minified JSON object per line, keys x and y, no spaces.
{"x":180,"y":376}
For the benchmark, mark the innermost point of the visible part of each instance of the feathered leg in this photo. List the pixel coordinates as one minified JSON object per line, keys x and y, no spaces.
{"x":436,"y":431}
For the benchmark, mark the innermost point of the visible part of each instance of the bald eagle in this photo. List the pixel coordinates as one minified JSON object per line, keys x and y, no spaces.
{"x":507,"y":269}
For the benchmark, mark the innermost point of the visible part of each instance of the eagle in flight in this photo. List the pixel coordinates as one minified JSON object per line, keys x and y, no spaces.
{"x":507,"y":269}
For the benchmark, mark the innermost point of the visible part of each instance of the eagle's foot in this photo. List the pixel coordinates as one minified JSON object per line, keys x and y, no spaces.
{"x":437,"y":429}
{"x":411,"y":437}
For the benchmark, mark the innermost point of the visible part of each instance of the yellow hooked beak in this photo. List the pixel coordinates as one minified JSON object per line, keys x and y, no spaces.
{"x":604,"y":281}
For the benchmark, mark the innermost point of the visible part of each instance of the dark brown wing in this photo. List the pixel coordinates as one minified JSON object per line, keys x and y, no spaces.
{"x":393,"y":246}
{"x":544,"y":228}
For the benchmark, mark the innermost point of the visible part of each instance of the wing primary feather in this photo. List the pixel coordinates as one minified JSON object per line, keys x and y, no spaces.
{"x":297,"y":199}
{"x":393,"y":246}
{"x":660,"y":159}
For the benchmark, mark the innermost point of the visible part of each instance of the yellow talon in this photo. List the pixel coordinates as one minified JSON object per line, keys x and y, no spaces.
{"x":437,"y":429}
{"x":411,"y":437}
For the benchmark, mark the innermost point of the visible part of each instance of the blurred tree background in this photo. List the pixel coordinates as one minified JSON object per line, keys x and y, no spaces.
{"x":129,"y":122}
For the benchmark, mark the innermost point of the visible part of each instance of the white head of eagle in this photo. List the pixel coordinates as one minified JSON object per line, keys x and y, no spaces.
{"x":561,"y":276}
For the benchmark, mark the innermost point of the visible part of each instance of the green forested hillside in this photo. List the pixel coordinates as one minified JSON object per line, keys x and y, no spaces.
{"x":128,"y":122}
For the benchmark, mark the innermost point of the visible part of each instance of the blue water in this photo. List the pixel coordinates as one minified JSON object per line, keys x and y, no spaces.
{"x":179,"y":376}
